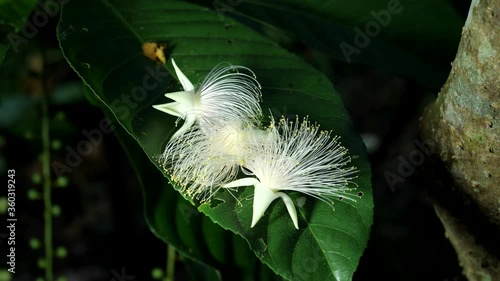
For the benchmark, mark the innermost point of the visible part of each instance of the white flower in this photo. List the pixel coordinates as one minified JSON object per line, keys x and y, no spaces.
{"x":228,"y":92}
{"x":200,"y":162}
{"x":297,"y":158}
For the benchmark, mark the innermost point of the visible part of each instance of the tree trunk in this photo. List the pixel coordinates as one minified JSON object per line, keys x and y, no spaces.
{"x":462,"y":127}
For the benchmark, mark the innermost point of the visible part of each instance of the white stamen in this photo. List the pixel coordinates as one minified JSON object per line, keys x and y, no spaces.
{"x":298,"y":158}
{"x":201,"y":162}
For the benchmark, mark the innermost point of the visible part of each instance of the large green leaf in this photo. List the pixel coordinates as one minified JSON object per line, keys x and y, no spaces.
{"x":419,"y":41}
{"x":102,"y":41}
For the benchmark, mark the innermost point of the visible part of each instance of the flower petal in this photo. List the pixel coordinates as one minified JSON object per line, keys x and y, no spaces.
{"x":262,"y":198}
{"x":290,"y":207}
{"x":184,"y":97}
{"x":173,"y":108}
{"x":242,"y":182}
{"x":188,"y":122}
{"x":186,"y":84}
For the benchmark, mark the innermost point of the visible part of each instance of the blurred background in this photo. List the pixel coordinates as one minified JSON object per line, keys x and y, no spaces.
{"x":99,"y":226}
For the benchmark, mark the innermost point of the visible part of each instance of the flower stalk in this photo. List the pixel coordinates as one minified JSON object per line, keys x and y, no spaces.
{"x":47,"y":188}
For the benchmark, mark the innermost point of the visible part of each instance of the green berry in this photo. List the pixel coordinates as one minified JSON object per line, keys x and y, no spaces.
{"x":61,"y":252}
{"x":61,"y":182}
{"x":157,"y":273}
{"x":36,"y":178}
{"x":41,"y":263}
{"x":56,"y":210}
{"x":34,"y":243}
{"x":55,"y":144}
{"x":33,"y":194}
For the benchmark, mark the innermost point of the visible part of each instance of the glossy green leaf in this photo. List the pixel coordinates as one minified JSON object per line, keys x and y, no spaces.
{"x":102,"y":41}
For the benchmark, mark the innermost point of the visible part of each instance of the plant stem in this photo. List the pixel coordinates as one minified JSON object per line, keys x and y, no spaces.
{"x":170,"y":275}
{"x":47,"y":189}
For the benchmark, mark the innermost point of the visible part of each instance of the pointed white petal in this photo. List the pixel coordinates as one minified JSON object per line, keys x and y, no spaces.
{"x":173,"y":108}
{"x":262,"y":198}
{"x":290,"y":207}
{"x":242,"y":182}
{"x":188,"y":122}
{"x":184,"y":97}
{"x":186,"y":84}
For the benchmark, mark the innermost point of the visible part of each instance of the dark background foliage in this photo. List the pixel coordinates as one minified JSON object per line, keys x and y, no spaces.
{"x":102,"y":221}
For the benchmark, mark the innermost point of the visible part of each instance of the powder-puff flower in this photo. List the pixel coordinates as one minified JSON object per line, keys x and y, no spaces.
{"x":228,"y":92}
{"x":298,"y":158}
{"x":200,"y":162}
